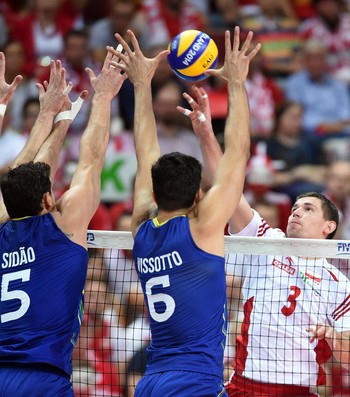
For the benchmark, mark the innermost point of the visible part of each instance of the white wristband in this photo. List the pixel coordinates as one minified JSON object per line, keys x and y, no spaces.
{"x":70,"y":114}
{"x":2,"y":109}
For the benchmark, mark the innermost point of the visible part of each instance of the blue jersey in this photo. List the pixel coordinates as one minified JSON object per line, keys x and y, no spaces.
{"x":185,"y":291}
{"x":42,"y":276}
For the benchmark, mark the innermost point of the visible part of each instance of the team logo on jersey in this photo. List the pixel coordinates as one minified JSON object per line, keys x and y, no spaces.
{"x":287,"y":267}
{"x":314,"y":277}
{"x":312,"y":280}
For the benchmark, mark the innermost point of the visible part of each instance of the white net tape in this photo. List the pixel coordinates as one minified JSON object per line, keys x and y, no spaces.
{"x":242,"y":245}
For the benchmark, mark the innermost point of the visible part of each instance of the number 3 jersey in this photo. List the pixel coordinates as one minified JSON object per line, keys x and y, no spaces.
{"x":282,"y":297}
{"x":42,"y":276}
{"x":185,"y":291}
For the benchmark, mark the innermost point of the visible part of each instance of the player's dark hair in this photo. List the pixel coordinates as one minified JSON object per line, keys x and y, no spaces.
{"x":330,"y":211}
{"x":23,"y":189}
{"x":176,"y":180}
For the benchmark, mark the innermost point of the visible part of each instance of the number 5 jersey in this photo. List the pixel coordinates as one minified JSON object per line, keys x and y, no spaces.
{"x":42,"y":276}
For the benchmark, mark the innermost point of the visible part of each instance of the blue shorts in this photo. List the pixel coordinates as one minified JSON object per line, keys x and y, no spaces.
{"x":180,"y":384}
{"x":34,"y":381}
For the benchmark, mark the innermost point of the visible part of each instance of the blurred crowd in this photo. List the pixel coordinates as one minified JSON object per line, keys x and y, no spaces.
{"x":299,"y":95}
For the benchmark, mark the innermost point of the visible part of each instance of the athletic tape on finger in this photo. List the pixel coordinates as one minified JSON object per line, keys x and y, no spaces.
{"x":187,"y":112}
{"x":67,"y":90}
{"x":190,"y":100}
{"x":204,"y":96}
{"x":2,"y":109}
{"x":202,"y":118}
{"x":70,"y":114}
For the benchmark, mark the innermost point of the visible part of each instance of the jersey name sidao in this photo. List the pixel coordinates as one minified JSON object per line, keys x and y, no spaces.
{"x":18,"y":258}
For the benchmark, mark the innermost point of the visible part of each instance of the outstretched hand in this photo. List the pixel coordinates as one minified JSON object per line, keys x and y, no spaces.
{"x":236,"y":63}
{"x":52,"y":94}
{"x":7,"y":90}
{"x":200,"y":114}
{"x":139,"y":68}
{"x":110,"y":79}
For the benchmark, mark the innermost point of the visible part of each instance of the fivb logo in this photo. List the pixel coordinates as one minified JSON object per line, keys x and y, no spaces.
{"x":91,"y":238}
{"x":343,"y":248}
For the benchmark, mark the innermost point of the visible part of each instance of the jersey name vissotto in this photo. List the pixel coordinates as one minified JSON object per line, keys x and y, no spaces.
{"x":159,"y":263}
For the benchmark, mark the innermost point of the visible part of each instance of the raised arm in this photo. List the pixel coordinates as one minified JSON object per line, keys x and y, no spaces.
{"x":140,"y":71}
{"x":51,"y":102}
{"x":50,"y":151}
{"x":79,"y":203}
{"x":6,"y":90}
{"x":215,"y":209}
{"x":211,"y":151}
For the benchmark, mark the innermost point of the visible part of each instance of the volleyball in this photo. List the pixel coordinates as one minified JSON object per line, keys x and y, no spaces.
{"x":192,"y":52}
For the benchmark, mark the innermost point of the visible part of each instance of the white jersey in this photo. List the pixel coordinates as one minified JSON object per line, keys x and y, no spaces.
{"x":283,"y":296}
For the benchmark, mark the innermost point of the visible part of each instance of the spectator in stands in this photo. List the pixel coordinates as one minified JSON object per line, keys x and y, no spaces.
{"x":121,"y":17}
{"x":278,"y":35}
{"x":259,"y":184}
{"x":331,"y":26}
{"x":11,"y":142}
{"x":41,"y":32}
{"x":165,"y":19}
{"x":14,"y":53}
{"x":301,"y":167}
{"x":325,"y":100}
{"x":264,"y":95}
{"x":30,"y":112}
{"x":173,"y":133}
{"x":75,"y":58}
{"x":3,"y":31}
{"x":337,"y":189}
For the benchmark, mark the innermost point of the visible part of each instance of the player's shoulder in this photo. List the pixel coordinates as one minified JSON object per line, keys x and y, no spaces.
{"x":333,"y":273}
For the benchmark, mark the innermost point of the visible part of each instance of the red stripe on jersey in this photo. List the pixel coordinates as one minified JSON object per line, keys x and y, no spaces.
{"x":343,"y":308}
{"x":241,"y":386}
{"x":242,"y":339}
{"x":333,"y":275}
{"x":323,"y":354}
{"x":263,"y":228}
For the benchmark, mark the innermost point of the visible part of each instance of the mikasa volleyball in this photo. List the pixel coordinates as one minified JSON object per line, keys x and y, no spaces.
{"x":192,"y":53}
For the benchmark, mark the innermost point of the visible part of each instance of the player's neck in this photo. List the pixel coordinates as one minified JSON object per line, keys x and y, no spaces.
{"x":164,"y":216}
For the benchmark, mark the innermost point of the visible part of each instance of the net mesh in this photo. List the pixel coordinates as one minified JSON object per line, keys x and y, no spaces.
{"x":110,"y":355}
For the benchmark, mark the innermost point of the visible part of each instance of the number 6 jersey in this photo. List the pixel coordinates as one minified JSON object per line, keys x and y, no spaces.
{"x":282,"y":297}
{"x":185,"y":291}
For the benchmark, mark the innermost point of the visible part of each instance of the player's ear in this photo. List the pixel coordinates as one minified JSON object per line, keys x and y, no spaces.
{"x":154,"y":198}
{"x":330,"y":227}
{"x":48,"y":201}
{"x":199,"y":195}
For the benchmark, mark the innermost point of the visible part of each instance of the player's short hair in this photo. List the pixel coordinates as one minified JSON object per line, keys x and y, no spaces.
{"x":176,"y":179}
{"x":330,"y":211}
{"x":23,"y":189}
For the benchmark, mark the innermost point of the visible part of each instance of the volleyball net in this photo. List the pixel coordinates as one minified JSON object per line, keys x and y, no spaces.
{"x":110,"y":355}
